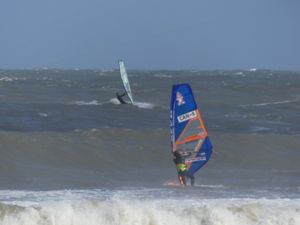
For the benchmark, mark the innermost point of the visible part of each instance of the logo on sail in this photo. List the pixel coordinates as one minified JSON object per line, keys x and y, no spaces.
{"x":187,"y":116}
{"x":179,"y":99}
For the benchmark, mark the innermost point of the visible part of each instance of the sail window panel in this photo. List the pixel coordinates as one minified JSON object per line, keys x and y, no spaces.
{"x":191,"y":131}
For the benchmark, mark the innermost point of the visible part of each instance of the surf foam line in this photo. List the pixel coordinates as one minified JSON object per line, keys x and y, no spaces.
{"x":93,"y":102}
{"x":155,"y":212}
{"x":272,"y":103}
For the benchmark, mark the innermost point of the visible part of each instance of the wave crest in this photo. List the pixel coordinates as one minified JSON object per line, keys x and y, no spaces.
{"x":171,"y":212}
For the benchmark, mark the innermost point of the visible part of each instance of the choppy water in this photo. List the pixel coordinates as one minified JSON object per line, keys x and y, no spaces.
{"x":65,"y":100}
{"x":70,"y":154}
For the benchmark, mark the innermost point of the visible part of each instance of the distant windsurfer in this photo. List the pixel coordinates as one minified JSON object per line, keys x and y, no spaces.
{"x":119,"y":97}
{"x":182,"y":169}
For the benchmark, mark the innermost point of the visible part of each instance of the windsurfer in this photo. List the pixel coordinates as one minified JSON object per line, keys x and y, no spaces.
{"x":119,"y":97}
{"x":182,"y":169}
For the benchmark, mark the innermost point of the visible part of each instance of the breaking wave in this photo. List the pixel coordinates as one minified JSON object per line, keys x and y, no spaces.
{"x":118,"y":210}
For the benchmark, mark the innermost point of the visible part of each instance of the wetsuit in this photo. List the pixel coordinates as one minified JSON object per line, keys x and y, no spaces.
{"x":119,"y":97}
{"x":182,"y":169}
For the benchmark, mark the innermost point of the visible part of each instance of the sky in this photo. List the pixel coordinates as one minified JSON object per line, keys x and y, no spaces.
{"x":152,"y":34}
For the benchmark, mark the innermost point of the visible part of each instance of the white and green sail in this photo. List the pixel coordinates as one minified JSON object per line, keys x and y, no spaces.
{"x":125,"y":81}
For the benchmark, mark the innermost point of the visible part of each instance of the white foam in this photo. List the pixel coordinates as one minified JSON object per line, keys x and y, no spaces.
{"x":114,"y":101}
{"x":240,"y":73}
{"x":93,"y":102}
{"x":99,"y":207}
{"x":7,"y":79}
{"x":252,"y":69}
{"x":41,"y":114}
{"x":163,"y":75}
{"x":144,"y":105}
{"x":259,"y":129}
{"x":175,"y":183}
{"x":10,"y":79}
{"x":103,"y":74}
{"x":276,"y":103}
{"x":273,"y":103}
{"x":210,"y":186}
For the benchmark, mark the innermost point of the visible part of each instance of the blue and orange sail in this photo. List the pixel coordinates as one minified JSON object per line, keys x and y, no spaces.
{"x":188,"y":134}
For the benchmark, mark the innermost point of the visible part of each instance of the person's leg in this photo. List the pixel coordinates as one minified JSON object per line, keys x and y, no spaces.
{"x":182,"y":180}
{"x":191,"y":176}
{"x":192,"y":180}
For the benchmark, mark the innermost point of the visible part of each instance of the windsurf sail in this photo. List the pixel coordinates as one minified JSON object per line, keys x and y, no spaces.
{"x":188,"y":134}
{"x":125,"y":81}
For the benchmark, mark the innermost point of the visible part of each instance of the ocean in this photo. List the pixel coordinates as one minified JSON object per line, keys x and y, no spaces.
{"x":70,"y":154}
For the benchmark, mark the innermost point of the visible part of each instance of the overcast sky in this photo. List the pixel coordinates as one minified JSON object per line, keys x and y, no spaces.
{"x":152,"y":34}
